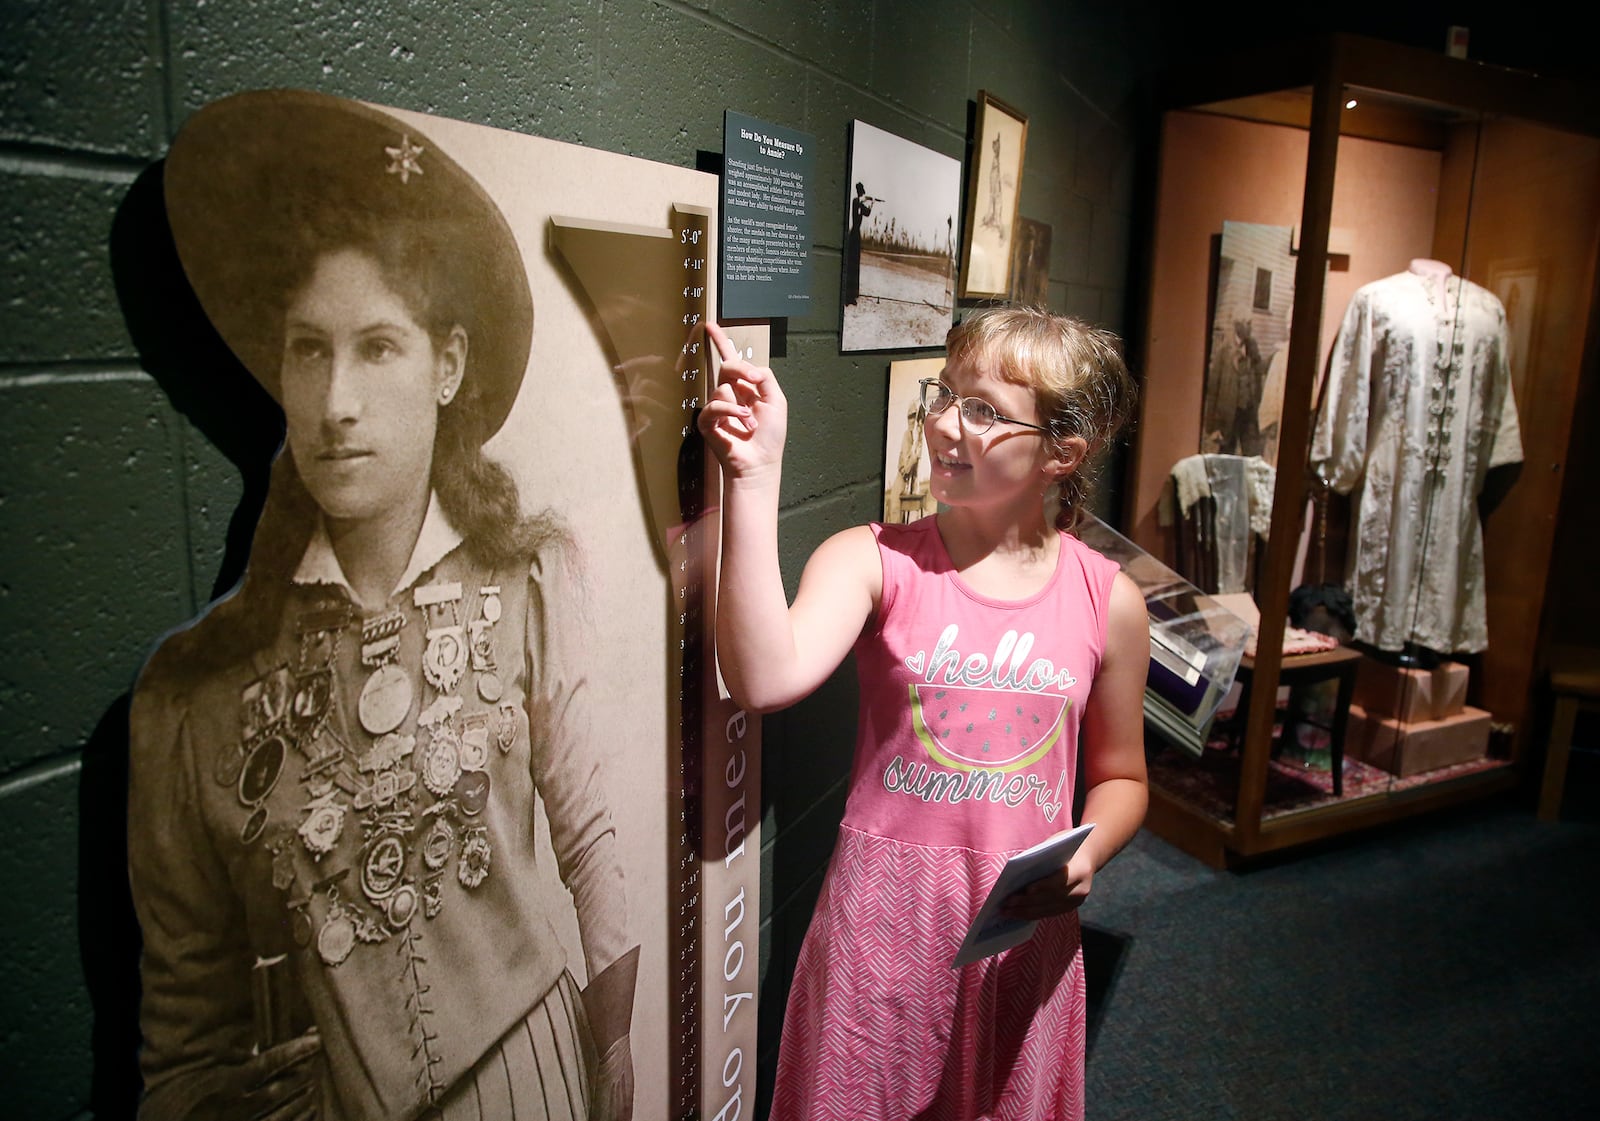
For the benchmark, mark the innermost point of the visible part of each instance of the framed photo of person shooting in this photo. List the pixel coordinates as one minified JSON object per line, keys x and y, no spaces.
{"x":999,"y":141}
{"x":898,"y":287}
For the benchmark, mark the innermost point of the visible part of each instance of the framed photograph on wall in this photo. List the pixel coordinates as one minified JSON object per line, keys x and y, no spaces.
{"x":999,"y":141}
{"x":1030,"y":264}
{"x":906,"y":466}
{"x":898,"y":289}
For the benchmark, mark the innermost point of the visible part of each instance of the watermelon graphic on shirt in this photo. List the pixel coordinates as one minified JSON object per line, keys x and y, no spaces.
{"x":988,"y":729}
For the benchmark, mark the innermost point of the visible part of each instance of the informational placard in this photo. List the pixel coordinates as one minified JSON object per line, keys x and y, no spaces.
{"x":767,"y":179}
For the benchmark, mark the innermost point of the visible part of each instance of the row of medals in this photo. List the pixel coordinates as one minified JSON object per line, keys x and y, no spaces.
{"x":294,"y":709}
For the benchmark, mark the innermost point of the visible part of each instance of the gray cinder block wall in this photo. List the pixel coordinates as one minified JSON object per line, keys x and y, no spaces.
{"x":116,"y":500}
{"x":123,"y":509}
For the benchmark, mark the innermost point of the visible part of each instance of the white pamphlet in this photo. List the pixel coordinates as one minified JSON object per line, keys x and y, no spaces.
{"x":992,"y":931}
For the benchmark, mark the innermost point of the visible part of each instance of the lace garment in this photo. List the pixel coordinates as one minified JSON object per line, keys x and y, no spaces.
{"x":1418,"y":408}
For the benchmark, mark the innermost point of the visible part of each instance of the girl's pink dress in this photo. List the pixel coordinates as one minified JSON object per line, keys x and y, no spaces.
{"x":966,"y":753}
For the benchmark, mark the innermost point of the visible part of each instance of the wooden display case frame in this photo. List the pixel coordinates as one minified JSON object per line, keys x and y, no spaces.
{"x":1271,"y":87}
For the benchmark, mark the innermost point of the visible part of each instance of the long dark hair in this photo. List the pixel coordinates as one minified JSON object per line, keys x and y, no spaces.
{"x":418,"y":261}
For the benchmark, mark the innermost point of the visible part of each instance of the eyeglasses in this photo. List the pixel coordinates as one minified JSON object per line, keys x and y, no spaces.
{"x":976,"y":413}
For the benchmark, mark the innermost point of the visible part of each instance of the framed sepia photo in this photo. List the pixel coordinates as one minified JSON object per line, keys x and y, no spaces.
{"x":999,"y":142}
{"x":906,"y":466}
{"x":1030,"y":264}
{"x":897,"y":291}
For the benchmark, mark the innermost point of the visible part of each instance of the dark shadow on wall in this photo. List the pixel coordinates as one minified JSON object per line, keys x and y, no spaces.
{"x":208,"y":386}
{"x":108,"y":934}
{"x":182,"y":351}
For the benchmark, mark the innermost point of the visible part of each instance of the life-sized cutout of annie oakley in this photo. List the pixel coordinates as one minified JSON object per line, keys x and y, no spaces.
{"x":335,"y":772}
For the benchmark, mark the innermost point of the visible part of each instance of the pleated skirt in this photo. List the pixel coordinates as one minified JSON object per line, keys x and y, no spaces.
{"x":541,"y":1070}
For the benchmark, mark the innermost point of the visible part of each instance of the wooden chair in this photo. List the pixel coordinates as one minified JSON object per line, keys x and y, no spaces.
{"x":1298,"y":670}
{"x":1574,"y":688}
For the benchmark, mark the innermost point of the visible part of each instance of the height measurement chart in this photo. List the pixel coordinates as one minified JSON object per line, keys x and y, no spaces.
{"x":712,"y":940}
{"x":766,"y":218}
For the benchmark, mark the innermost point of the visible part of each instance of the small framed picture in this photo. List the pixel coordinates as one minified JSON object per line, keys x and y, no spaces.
{"x":899,"y":282}
{"x":906,"y":466}
{"x":999,"y":141}
{"x":1030,"y":264}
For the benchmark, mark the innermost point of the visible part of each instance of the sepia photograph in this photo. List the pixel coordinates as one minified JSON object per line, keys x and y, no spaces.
{"x":898,"y":289}
{"x":999,"y":143}
{"x":1030,"y":264}
{"x":1249,"y":345}
{"x":906,"y":466}
{"x":390,"y":855}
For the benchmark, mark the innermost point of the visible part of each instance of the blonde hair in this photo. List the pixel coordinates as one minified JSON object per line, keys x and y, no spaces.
{"x":1077,"y":374}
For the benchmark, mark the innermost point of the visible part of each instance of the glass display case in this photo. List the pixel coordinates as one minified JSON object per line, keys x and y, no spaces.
{"x":1370,"y":290}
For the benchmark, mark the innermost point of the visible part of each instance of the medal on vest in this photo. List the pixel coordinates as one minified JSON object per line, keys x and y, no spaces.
{"x":323,"y":825}
{"x":389,"y":752}
{"x":401,"y":906}
{"x":473,"y":865}
{"x":389,"y":779}
{"x":438,"y":844}
{"x":383,"y":868}
{"x":385,"y":788}
{"x":253,"y":825}
{"x":319,"y":632}
{"x":472,"y":792}
{"x":337,"y":936}
{"x":385,"y":700}
{"x":441,"y":761}
{"x":256,"y":779}
{"x":311,"y":704}
{"x":505,"y":726}
{"x":263,"y":766}
{"x":323,"y":757}
{"x":311,"y":701}
{"x":475,"y":742}
{"x":445,"y":659}
{"x":263,"y":703}
{"x":482,"y":638}
{"x":386,"y":695}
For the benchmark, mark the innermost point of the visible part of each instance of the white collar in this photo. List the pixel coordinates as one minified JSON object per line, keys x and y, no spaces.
{"x":435,"y":541}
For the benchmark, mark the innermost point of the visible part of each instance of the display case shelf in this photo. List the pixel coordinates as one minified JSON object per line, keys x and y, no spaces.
{"x":1358,"y":157}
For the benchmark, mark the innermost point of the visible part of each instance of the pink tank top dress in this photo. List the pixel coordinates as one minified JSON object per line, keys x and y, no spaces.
{"x":966,"y":751}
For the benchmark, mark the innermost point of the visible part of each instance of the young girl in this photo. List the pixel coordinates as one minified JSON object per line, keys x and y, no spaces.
{"x":992,"y":647}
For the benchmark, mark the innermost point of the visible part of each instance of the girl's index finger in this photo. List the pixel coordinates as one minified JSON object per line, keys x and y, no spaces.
{"x":726,"y":347}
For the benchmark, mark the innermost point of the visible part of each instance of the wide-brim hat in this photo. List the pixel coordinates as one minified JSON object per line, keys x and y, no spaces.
{"x":246,"y":172}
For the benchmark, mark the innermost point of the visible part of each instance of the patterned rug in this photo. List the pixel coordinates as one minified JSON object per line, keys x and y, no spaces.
{"x":1211,"y":783}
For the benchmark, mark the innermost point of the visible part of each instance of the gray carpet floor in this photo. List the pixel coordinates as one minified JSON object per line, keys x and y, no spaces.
{"x":1443,"y":969}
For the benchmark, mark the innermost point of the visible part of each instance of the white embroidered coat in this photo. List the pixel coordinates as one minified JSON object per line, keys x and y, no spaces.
{"x":1418,"y":407}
